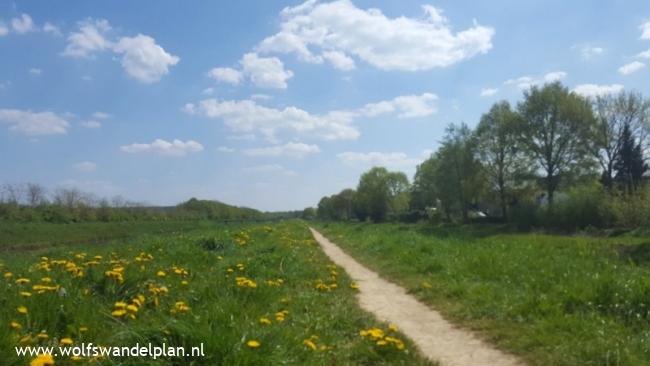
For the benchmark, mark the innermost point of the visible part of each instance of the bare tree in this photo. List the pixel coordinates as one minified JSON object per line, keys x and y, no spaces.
{"x":35,"y":194}
{"x":68,"y":197}
{"x":613,"y":114}
{"x":13,"y":193}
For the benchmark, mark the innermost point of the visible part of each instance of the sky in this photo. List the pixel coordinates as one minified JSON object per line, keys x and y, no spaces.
{"x":274,"y":104}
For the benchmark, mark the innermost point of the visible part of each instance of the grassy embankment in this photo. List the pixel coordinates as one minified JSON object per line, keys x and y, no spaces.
{"x":554,"y":300}
{"x":252,"y":294}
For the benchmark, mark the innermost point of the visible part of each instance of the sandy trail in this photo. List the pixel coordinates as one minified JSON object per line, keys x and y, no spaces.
{"x":436,"y":338}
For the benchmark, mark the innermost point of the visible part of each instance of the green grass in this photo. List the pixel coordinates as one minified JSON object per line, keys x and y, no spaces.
{"x":18,"y":236}
{"x":553,"y":300}
{"x":222,"y":315}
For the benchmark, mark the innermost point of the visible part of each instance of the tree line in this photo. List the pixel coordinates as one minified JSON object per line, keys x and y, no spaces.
{"x":554,"y":159}
{"x":30,"y":202}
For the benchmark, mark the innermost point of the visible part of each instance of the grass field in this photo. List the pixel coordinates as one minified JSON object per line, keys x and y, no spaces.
{"x":554,"y":300}
{"x":252,"y":294}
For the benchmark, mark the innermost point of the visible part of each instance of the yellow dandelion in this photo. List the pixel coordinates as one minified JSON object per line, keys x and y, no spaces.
{"x":22,"y":281}
{"x":265,"y":321}
{"x":66,"y":341}
{"x":22,"y":310}
{"x":253,"y":344}
{"x":15,"y":325}
{"x":42,"y":360}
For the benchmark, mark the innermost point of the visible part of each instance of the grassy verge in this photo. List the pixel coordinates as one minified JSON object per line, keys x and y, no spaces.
{"x":251,"y":294}
{"x":17,"y":236}
{"x":554,"y":300}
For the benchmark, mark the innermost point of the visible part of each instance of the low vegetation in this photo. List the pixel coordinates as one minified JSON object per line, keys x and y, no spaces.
{"x":553,"y":300}
{"x":251,"y":294}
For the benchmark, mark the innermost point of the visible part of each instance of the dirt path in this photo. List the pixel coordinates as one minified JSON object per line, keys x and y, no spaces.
{"x":436,"y":338}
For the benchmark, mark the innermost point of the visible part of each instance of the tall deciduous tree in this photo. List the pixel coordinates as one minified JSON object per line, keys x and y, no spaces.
{"x":500,"y":153}
{"x":381,"y":193}
{"x":458,"y":180}
{"x":629,"y":163}
{"x":556,"y":130}
{"x":614,"y":113}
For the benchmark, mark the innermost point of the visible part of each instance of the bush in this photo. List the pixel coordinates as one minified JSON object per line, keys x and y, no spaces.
{"x":525,"y":215}
{"x":632,"y":210}
{"x":587,"y":205}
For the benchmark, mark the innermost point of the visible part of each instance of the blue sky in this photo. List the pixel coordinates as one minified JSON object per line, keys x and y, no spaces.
{"x":274,"y":104}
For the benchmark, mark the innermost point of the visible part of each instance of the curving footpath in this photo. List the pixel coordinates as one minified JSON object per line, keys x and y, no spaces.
{"x":436,"y":338}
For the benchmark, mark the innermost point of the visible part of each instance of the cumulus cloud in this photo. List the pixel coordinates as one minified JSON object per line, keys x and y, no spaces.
{"x":175,"y":148}
{"x":527,"y":81}
{"x":101,"y":115}
{"x":3,"y":29}
{"x":488,"y":92}
{"x":594,"y":90}
{"x":142,"y":58}
{"x":645,"y":30}
{"x":406,"y":106}
{"x":275,"y":169}
{"x":339,"y":60}
{"x":263,"y":72}
{"x":291,"y":149}
{"x":311,"y":29}
{"x":248,"y":117}
{"x":391,"y":160}
{"x":23,"y":24}
{"x":52,"y":29}
{"x":226,"y":75}
{"x":85,"y":166}
{"x":630,"y":68}
{"x":644,"y":54}
{"x":589,"y":52}
{"x":90,"y":38}
{"x":34,"y":123}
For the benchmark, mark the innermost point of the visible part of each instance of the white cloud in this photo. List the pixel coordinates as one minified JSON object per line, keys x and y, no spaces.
{"x":34,"y":123}
{"x":589,"y":52}
{"x":392,"y":160}
{"x":291,"y":149}
{"x":488,"y":92}
{"x":23,"y":24}
{"x":339,"y":60}
{"x":594,"y":90}
{"x":207,"y":91}
{"x":143,"y":59}
{"x":225,"y":149}
{"x":101,"y":115}
{"x":265,"y":72}
{"x":3,"y":29}
{"x":89,"y":39}
{"x":162,"y":147}
{"x":85,"y":166}
{"x":631,"y":67}
{"x":400,"y":43}
{"x":248,"y":117}
{"x":527,"y":81}
{"x":644,"y":54}
{"x":554,"y":76}
{"x":261,"y":97}
{"x":52,"y":29}
{"x":226,"y":75}
{"x":645,"y":30}
{"x":244,"y":137}
{"x":91,"y":124}
{"x":407,"y":106}
{"x":269,"y":168}
{"x":35,"y":71}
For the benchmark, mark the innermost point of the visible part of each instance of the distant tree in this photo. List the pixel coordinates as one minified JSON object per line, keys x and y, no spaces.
{"x":556,"y":131}
{"x":613,"y":114}
{"x":308,"y":213}
{"x":342,"y":204}
{"x":629,"y":164}
{"x":423,"y":191}
{"x":381,"y":193}
{"x":13,"y":193}
{"x":35,"y":194}
{"x":458,"y":181}
{"x":500,"y":152}
{"x":325,"y":210}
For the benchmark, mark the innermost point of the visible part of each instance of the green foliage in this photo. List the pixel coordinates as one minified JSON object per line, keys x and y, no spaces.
{"x":586,"y":206}
{"x":381,"y":194}
{"x":632,"y":210}
{"x":215,"y":210}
